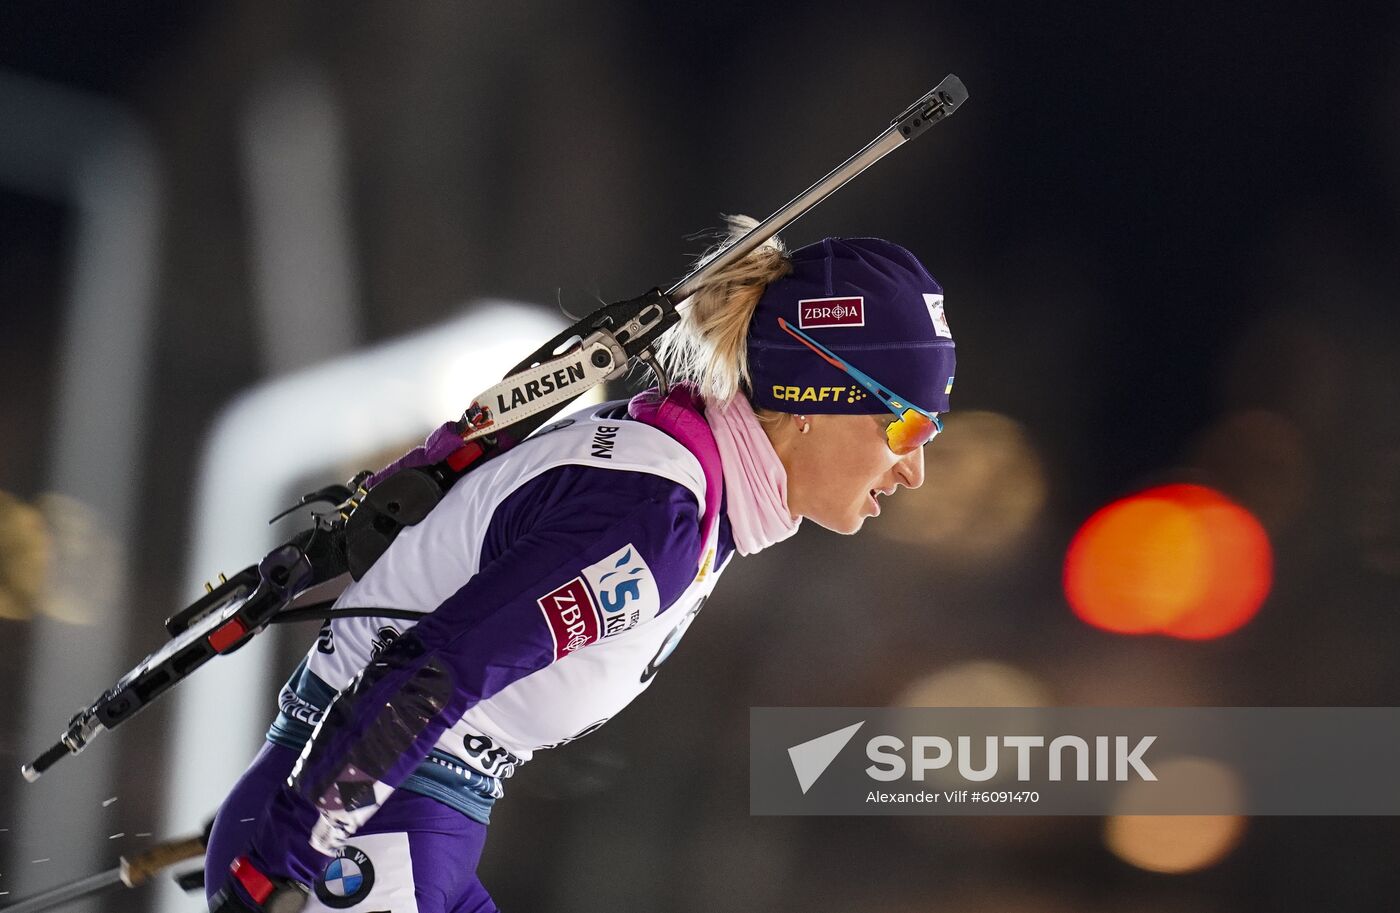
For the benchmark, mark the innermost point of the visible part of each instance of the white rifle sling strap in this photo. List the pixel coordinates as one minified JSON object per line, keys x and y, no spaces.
{"x":547,"y":385}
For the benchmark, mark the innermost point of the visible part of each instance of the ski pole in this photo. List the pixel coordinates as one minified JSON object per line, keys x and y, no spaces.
{"x":130,"y":872}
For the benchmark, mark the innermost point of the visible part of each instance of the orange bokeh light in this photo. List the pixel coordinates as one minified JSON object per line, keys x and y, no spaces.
{"x":1181,"y":560}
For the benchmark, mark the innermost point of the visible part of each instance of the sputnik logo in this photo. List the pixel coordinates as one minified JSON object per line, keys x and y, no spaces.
{"x":810,"y":759}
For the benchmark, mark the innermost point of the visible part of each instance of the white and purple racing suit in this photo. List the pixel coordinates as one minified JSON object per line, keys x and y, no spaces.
{"x":553,"y":581}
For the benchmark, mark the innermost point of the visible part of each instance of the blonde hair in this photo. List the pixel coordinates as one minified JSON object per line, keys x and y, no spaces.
{"x":708,"y":347}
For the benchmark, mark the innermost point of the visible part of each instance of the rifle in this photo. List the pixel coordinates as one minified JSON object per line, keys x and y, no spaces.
{"x":300,"y":579}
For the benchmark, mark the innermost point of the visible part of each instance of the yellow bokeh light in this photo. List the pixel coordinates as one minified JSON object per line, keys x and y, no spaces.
{"x":984,"y":487}
{"x":1174,"y":844}
{"x":979,"y":683}
{"x":25,"y":549}
{"x":85,"y":575}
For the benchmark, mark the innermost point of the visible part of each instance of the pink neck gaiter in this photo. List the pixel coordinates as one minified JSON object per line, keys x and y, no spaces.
{"x":755,"y":481}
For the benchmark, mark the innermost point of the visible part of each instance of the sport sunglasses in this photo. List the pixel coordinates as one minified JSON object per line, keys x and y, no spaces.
{"x":915,"y":427}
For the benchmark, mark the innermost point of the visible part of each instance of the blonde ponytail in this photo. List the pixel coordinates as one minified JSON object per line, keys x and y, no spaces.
{"x":707,"y":349}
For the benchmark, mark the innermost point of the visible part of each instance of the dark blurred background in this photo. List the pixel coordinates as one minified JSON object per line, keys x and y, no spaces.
{"x":1168,"y":235}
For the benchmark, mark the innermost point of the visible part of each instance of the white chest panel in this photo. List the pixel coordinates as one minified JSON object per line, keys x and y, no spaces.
{"x":432,"y":560}
{"x":573,"y":696}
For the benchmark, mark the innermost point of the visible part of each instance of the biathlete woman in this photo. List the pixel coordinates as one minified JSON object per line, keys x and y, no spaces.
{"x":554,"y":580}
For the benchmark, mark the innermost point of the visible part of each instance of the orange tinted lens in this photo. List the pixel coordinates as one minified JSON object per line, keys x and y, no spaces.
{"x":912,"y":431}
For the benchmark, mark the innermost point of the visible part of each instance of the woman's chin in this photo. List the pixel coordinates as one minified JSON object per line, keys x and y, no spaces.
{"x":847,"y":525}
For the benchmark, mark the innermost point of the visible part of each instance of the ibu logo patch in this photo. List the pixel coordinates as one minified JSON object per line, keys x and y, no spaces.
{"x":346,"y":880}
{"x":830,"y":312}
{"x":571,"y":616}
{"x":935,"y":313}
{"x":625,"y":588}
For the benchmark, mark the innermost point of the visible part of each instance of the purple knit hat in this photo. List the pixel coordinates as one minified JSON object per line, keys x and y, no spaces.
{"x":872,"y":303}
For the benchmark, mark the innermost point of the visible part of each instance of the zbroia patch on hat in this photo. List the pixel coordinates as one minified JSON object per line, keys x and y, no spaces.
{"x":872,"y":303}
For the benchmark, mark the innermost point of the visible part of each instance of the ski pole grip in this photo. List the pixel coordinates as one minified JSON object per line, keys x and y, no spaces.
{"x":138,"y":868}
{"x":33,"y":771}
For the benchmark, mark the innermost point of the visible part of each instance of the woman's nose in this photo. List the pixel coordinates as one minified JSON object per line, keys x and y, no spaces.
{"x":910,"y":468}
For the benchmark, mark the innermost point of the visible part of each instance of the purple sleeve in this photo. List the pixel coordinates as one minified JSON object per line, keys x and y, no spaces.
{"x":503,"y":624}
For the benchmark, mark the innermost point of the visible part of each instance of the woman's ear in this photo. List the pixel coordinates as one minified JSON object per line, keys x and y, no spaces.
{"x":779,"y":426}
